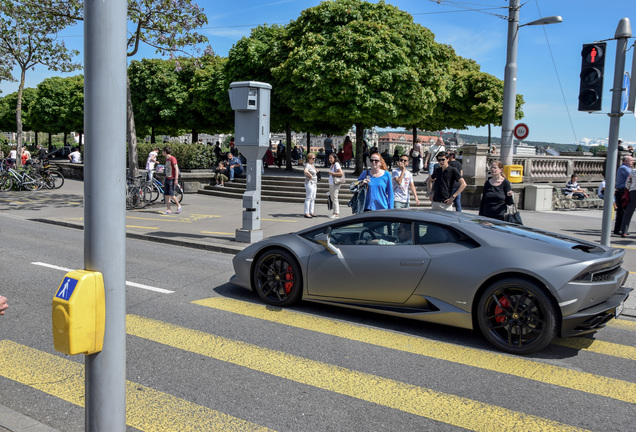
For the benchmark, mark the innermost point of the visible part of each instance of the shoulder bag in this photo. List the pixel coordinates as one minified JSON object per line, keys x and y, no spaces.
{"x":512,"y":215}
{"x":339,"y":180}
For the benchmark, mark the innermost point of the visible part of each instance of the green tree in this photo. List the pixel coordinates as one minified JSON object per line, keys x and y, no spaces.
{"x":58,"y":106}
{"x":167,"y":26}
{"x":253,"y":59}
{"x":352,"y":62}
{"x":209,"y":100}
{"x":6,"y":65}
{"x":8,"y":106}
{"x":475,"y":99}
{"x":156,"y":94}
{"x":30,"y":38}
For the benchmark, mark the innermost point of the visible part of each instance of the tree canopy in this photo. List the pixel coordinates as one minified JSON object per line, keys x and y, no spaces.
{"x":58,"y":105}
{"x":350,"y":61}
{"x":341,"y":63}
{"x":28,"y":41}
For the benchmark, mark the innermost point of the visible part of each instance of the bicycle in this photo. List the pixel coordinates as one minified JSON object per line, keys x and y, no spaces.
{"x":137,"y":197}
{"x":156,"y":189}
{"x":53,"y":179}
{"x":23,"y":179}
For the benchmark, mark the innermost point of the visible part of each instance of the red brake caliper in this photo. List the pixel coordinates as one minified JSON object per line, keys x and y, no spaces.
{"x":289,"y":276}
{"x":498,"y":310}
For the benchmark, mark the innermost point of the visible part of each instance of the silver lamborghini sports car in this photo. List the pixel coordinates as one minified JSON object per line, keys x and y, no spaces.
{"x":518,"y":285}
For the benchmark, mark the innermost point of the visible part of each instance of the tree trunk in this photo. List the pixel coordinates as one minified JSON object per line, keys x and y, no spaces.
{"x":36,"y":139}
{"x":488,"y":135}
{"x":288,"y":136}
{"x":50,"y":142}
{"x":195,"y":136}
{"x":153,"y":138}
{"x":65,"y":138}
{"x":18,"y":119}
{"x":131,"y":135}
{"x":359,"y":145}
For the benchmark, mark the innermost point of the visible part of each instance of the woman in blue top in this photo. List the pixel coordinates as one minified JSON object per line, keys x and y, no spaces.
{"x":380,"y":188}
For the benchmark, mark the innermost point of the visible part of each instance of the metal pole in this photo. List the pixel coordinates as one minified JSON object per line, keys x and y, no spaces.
{"x":104,"y":204}
{"x":510,"y":85}
{"x":623,"y":32}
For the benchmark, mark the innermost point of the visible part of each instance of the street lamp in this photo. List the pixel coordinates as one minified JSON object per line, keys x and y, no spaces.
{"x":510,"y":78}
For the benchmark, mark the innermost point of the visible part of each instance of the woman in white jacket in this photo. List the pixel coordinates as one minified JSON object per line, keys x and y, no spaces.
{"x":311,"y":184}
{"x":335,"y":177}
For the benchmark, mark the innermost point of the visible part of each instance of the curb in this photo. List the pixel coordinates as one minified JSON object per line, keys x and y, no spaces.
{"x":13,"y":421}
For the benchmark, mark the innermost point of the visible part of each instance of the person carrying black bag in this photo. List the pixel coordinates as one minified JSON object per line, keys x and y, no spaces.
{"x":497,"y":195}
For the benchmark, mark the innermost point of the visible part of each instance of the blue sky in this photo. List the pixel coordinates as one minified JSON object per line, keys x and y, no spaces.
{"x":548,"y":59}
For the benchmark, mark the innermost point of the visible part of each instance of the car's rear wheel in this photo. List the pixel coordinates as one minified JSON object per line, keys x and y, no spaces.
{"x":516,"y":316}
{"x":277,"y":278}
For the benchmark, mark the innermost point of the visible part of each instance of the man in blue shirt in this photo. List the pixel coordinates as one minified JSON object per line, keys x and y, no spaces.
{"x":234,"y":165}
{"x":621,"y":176}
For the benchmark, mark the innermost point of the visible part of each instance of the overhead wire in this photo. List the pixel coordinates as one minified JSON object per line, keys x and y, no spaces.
{"x":467,"y":7}
{"x":556,"y":71}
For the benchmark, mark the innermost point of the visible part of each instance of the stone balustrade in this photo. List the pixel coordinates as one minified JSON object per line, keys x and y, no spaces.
{"x":555,"y":170}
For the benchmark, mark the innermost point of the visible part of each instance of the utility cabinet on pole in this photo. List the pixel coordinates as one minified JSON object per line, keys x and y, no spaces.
{"x":251,"y":102}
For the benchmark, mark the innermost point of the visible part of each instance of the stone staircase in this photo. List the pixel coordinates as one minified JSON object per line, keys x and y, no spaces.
{"x":291,"y":189}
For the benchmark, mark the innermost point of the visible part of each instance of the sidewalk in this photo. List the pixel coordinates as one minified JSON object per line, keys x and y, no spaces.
{"x":209,"y":223}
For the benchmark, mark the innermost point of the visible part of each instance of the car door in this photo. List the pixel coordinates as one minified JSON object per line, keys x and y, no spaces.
{"x":367,"y":263}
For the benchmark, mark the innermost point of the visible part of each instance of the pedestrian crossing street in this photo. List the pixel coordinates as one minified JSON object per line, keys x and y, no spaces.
{"x":149,"y":409}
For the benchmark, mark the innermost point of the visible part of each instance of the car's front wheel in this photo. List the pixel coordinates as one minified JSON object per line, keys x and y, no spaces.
{"x":277,"y":278}
{"x":516,"y":316}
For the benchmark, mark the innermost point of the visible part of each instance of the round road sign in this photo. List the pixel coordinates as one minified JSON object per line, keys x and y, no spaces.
{"x":521,"y":131}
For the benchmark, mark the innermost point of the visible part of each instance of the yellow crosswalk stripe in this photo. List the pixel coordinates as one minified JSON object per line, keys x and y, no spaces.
{"x":446,"y":408}
{"x":515,"y":366}
{"x":623,"y":324}
{"x":599,"y":347}
{"x":146,"y":409}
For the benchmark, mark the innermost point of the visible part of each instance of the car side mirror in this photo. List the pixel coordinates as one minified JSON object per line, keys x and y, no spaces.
{"x":325,"y":240}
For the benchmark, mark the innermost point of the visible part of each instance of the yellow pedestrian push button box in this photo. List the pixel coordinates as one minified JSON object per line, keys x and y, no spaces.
{"x":79,"y":313}
{"x":514,"y":173}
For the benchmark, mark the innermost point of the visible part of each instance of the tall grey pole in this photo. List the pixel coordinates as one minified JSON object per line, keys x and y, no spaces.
{"x":623,"y":32}
{"x":104,"y":204}
{"x":510,"y":85}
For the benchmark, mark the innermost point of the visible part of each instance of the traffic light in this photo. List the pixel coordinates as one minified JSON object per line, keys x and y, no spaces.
{"x":592,"y":70}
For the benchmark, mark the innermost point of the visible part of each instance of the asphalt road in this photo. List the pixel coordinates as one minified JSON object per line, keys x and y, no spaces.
{"x":205,"y":355}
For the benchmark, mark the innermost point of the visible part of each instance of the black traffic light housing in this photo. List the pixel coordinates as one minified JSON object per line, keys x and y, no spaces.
{"x":592,"y":71}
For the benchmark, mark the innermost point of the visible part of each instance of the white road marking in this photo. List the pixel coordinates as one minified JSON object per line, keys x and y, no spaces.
{"x":132,"y":284}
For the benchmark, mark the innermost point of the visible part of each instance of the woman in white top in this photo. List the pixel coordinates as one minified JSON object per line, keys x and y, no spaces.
{"x":311,"y":184}
{"x":335,"y":171}
{"x":151,"y":162}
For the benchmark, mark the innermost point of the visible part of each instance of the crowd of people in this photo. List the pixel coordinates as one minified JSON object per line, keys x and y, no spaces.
{"x":387,"y":188}
{"x":387,"y":180}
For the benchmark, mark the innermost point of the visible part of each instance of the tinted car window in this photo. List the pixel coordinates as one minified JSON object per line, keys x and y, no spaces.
{"x":431,"y":234}
{"x":313,"y":234}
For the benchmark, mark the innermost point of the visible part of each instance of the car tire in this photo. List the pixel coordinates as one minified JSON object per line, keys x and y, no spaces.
{"x":277,"y":278}
{"x":517,"y":316}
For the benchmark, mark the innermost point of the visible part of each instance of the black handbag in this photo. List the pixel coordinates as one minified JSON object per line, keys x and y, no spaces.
{"x":512,"y":215}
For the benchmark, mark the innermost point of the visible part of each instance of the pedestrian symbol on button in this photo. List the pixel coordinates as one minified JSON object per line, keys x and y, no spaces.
{"x":66,"y":289}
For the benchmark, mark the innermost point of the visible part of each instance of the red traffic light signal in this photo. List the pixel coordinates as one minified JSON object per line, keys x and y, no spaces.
{"x":592,"y":70}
